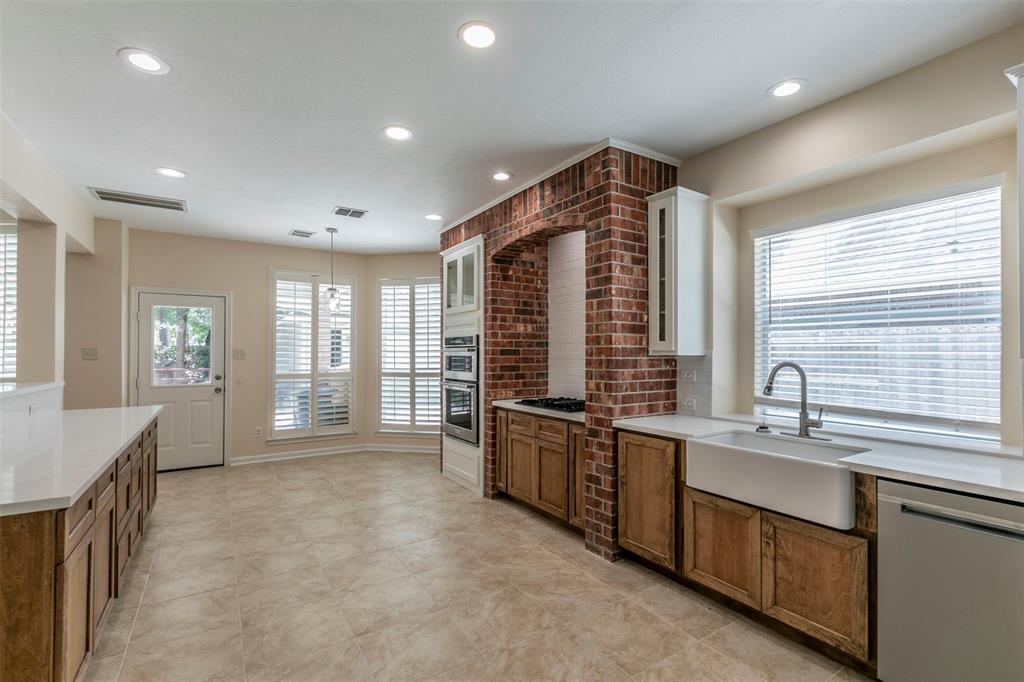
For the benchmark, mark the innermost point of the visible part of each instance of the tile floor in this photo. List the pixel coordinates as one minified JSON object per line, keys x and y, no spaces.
{"x":373,"y":567}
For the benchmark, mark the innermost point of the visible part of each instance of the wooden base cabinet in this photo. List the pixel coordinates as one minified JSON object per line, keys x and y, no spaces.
{"x":535,"y":459}
{"x":816,"y":580}
{"x":577,"y":475}
{"x":722,"y":545}
{"x":648,"y":479}
{"x":60,"y":570}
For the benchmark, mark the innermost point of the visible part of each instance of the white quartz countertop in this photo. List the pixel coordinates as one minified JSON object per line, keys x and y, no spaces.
{"x":959,"y":470}
{"x":47,"y":462}
{"x":578,"y":417}
{"x":12,"y":389}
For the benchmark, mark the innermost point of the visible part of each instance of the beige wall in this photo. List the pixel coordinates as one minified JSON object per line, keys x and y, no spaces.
{"x":96,"y":316}
{"x":158,"y":259}
{"x":994,"y":157}
{"x":40,"y":340}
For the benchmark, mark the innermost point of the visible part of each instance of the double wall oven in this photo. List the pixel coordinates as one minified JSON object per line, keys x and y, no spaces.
{"x":461,"y":387}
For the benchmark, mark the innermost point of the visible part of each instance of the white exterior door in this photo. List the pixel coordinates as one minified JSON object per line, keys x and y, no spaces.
{"x":180,"y":365}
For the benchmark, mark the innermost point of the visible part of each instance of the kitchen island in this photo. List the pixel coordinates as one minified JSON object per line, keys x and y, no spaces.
{"x":76,"y":490}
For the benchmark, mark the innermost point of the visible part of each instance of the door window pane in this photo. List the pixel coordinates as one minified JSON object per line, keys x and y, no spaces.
{"x":451,"y":285}
{"x":181,"y":345}
{"x":469,"y":278}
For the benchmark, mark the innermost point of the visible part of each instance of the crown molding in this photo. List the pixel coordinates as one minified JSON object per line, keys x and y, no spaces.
{"x":561,"y":166}
{"x":1015,"y":74}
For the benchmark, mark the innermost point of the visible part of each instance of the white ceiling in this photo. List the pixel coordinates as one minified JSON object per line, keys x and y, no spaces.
{"x":276,"y":109}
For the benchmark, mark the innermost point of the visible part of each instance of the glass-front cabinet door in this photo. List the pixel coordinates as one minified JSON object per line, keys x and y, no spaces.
{"x":461,"y":286}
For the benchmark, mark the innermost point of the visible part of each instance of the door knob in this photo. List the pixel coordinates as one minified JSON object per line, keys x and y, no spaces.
{"x":218,"y":389}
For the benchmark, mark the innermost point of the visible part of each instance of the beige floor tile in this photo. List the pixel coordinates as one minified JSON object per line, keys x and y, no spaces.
{"x":363,"y":571}
{"x":355,"y":543}
{"x":434,"y":553}
{"x":181,"y":581}
{"x":276,"y":636}
{"x":286,"y":589}
{"x":282,"y":559}
{"x":103,"y":669}
{"x":698,"y":663}
{"x":426,"y":646}
{"x":212,"y":656}
{"x":554,"y":654}
{"x":407,"y":532}
{"x":628,"y":634}
{"x":166,"y":621}
{"x":849,"y":675}
{"x":112,"y":639}
{"x":380,"y":606}
{"x":567,"y":591}
{"x":500,"y":619}
{"x":192,"y":552}
{"x":625,"y":576}
{"x":685,"y":608}
{"x":770,"y":654}
{"x":336,"y":663}
{"x":460,"y":583}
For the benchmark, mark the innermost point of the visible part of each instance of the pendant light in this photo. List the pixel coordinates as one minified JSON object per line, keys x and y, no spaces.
{"x":333,"y":295}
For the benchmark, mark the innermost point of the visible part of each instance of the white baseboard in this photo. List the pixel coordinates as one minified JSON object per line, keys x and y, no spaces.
{"x":345,"y":449}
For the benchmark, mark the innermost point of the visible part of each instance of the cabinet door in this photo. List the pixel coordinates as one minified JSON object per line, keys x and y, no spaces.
{"x":104,"y":568}
{"x":816,"y":580}
{"x":145,"y":484}
{"x":122,"y":552}
{"x":152,"y":474}
{"x":522,"y":450}
{"x":578,"y":475}
{"x":660,"y":287}
{"x":647,"y":497}
{"x":722,"y":545}
{"x":149,"y":479}
{"x":501,"y":472}
{"x":552,"y":478}
{"x":74,"y":621}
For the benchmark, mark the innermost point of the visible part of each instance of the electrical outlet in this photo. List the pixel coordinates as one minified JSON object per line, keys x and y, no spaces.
{"x":688,"y":404}
{"x":238,"y":354}
{"x":257,"y":432}
{"x":90,"y":353}
{"x":688,"y":374}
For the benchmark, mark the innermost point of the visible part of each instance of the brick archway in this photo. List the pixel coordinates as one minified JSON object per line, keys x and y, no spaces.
{"x":604,"y":195}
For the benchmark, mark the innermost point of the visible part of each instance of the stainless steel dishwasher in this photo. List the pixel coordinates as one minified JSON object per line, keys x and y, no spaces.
{"x":950,"y":587}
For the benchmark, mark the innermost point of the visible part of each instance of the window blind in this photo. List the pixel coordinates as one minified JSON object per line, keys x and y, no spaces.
{"x":410,"y":360}
{"x":894,"y":314}
{"x":312,"y":346}
{"x":8,"y":302}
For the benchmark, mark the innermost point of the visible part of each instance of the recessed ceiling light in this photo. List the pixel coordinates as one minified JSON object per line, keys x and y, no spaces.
{"x":146,"y":62}
{"x":400,"y":133}
{"x":476,"y":34}
{"x":432,"y":216}
{"x":502,"y":175}
{"x":169,"y":172}
{"x":786,"y":88}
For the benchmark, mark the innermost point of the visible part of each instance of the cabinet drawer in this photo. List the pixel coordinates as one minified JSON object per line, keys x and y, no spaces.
{"x":149,"y":433}
{"x":76,"y":521}
{"x":522,"y":423}
{"x":553,"y":431}
{"x":106,"y":485}
{"x":125,"y":457}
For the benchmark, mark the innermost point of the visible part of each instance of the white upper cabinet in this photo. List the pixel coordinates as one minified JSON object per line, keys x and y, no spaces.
{"x":676,"y":233}
{"x":462,"y":278}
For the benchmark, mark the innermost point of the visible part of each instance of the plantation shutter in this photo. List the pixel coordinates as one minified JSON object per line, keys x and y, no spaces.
{"x":312,"y":346}
{"x":410,"y":333}
{"x":8,"y":302}
{"x":894,"y":314}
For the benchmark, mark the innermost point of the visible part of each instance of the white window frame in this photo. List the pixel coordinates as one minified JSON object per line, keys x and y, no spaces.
{"x":412,"y":428}
{"x":852,"y":416}
{"x":313,"y":432}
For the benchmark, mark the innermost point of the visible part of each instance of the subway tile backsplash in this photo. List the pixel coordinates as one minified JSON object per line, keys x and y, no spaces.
{"x":694,"y":386}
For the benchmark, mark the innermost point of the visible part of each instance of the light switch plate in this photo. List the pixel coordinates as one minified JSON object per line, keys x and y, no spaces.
{"x":238,"y":354}
{"x":257,"y":432}
{"x":90,"y":353}
{"x":688,"y":374}
{"x":688,"y":404}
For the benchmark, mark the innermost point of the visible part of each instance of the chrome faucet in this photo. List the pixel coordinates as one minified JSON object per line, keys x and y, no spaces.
{"x":806,"y":422}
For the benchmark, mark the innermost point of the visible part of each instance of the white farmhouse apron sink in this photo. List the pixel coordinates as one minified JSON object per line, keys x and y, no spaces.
{"x":802,"y":478}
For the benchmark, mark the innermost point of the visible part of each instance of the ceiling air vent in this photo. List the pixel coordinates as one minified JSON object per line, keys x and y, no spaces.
{"x":301,"y":234}
{"x":139,"y":199}
{"x":349,"y":212}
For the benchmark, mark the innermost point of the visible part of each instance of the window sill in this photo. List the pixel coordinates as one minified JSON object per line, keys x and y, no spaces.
{"x":410,"y":434}
{"x":284,"y":440}
{"x":958,"y":443}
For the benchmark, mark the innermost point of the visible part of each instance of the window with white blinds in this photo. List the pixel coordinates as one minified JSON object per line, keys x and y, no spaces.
{"x":312,"y":347}
{"x":894,"y":315}
{"x":8,"y":302}
{"x":410,"y":354}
